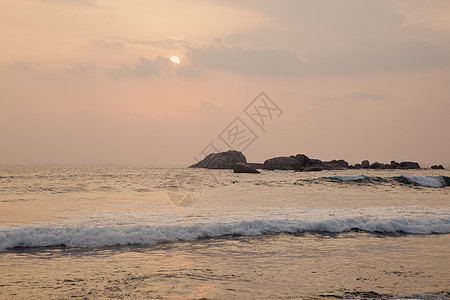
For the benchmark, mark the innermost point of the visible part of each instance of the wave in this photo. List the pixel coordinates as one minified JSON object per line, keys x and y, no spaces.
{"x":425,"y":181}
{"x":96,"y":236}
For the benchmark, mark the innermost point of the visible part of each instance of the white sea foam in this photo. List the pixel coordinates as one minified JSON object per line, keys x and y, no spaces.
{"x":428,"y":181}
{"x":91,"y":235}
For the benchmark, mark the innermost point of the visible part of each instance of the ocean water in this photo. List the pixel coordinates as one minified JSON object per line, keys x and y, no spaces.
{"x":141,"y":232}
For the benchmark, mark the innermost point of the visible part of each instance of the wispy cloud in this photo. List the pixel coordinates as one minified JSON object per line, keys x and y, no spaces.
{"x":105,"y":45}
{"x":260,"y":62}
{"x":19,"y":66}
{"x":159,"y":43}
{"x":81,"y":69}
{"x":143,"y":68}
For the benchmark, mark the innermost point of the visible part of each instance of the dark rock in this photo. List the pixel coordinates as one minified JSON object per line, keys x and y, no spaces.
{"x":244,"y":168}
{"x":394,"y":164}
{"x":365,"y":164}
{"x":315,"y":162}
{"x":303,"y":160}
{"x":385,"y":166}
{"x":281,"y":163}
{"x":335,"y":165}
{"x":357,"y":166}
{"x":222,"y":160}
{"x":409,"y":165}
{"x":341,"y":163}
{"x":255,"y":165}
{"x":438,"y":167}
{"x":296,"y":162}
{"x":375,"y":165}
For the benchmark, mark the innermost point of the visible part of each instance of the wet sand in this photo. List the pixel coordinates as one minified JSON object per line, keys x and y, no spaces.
{"x":283,"y":266}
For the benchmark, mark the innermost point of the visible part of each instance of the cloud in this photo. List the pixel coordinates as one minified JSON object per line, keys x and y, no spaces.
{"x":81,"y":69}
{"x":206,"y":106}
{"x":143,"y":68}
{"x":105,"y":45}
{"x":19,"y":66}
{"x":346,"y":37}
{"x":366,"y":57}
{"x":262,"y":62}
{"x":161,"y":43}
{"x":273,"y":62}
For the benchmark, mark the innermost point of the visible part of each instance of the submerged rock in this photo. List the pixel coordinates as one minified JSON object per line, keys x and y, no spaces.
{"x":438,"y":167}
{"x":312,"y":169}
{"x":221,"y":160}
{"x":409,"y":165}
{"x":244,"y":168}
{"x":255,"y":165}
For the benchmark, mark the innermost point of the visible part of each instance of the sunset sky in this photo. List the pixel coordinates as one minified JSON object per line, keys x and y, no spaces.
{"x":90,"y":81}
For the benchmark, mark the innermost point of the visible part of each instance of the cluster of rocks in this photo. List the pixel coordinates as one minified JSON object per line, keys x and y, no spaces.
{"x":393,"y":165}
{"x":235,"y":160}
{"x":438,"y":167}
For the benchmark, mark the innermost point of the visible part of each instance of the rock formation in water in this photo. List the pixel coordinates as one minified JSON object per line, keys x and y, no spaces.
{"x":438,"y":167}
{"x":235,"y":160}
{"x":244,"y":168}
{"x":222,"y":160}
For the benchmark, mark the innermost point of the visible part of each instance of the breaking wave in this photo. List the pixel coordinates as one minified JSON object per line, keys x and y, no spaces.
{"x":97,"y":236}
{"x":425,"y":181}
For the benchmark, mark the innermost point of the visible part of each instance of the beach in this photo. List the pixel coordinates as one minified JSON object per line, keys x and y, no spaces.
{"x":98,"y":232}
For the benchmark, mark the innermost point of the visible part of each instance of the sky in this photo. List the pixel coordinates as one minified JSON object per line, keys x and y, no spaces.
{"x":90,"y":81}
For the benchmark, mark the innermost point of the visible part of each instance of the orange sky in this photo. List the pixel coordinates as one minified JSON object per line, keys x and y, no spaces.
{"x":86,"y":81}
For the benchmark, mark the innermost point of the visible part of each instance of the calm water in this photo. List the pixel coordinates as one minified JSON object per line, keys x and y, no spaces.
{"x":175,"y":233}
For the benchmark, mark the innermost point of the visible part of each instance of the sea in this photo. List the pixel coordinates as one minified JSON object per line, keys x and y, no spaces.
{"x":164,"y":232}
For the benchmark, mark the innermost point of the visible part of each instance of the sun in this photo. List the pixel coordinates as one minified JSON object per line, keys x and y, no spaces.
{"x":175,"y":59}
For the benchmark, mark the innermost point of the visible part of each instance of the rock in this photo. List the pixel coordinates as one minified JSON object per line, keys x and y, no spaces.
{"x":292,"y":162}
{"x":357,"y":166}
{"x":222,"y":160}
{"x":394,"y":164}
{"x":316,"y":162}
{"x":341,"y":163}
{"x":303,"y":160}
{"x":438,"y":167}
{"x":365,"y":164}
{"x":281,"y":163}
{"x":335,"y":165}
{"x":375,"y":165}
{"x":244,"y":168}
{"x":409,"y":165}
{"x":255,"y":165}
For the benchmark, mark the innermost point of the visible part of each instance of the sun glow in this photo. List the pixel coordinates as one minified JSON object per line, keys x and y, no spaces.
{"x":175,"y":59}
